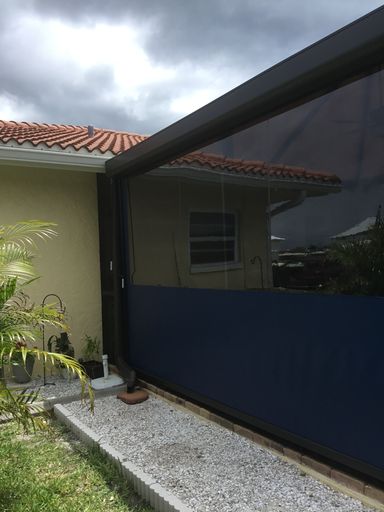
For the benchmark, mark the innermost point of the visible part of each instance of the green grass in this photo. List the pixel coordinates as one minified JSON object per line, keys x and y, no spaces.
{"x":52,"y":472}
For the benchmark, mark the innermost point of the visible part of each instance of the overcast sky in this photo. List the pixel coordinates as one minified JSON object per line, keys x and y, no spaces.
{"x":139,"y":65}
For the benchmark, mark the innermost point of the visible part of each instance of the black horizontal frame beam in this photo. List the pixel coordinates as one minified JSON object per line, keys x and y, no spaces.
{"x":335,"y":60}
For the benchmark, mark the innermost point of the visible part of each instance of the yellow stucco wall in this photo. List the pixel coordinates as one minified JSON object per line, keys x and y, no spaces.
{"x":69,"y":263}
{"x":160,"y":209}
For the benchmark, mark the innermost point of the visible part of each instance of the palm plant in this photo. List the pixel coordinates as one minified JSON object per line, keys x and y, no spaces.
{"x":21,"y":321}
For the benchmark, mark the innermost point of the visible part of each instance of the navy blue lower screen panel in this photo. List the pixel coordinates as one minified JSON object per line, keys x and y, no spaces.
{"x":310,"y":365}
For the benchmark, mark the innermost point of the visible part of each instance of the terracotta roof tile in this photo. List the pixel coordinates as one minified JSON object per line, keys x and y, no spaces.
{"x":68,"y":137}
{"x":76,"y":138}
{"x":256,"y":168}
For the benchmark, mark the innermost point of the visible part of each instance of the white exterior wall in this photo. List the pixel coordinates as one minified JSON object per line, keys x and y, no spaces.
{"x":69,"y":263}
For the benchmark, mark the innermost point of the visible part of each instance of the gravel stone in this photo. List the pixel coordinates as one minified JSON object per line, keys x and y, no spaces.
{"x":206,"y":466}
{"x":62,"y":387}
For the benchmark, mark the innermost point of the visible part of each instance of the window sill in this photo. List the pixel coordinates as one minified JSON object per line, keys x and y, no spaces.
{"x":196,"y":269}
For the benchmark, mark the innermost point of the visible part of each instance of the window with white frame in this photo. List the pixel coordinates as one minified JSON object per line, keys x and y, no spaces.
{"x":213,"y":239}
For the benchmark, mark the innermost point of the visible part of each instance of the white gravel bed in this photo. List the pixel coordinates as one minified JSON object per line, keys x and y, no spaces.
{"x":206,"y":466}
{"x":62,"y":387}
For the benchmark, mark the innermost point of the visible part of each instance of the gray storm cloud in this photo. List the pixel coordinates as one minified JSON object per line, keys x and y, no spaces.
{"x":221,"y":37}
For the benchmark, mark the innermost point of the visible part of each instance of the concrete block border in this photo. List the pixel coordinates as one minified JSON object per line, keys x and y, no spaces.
{"x":147,"y":487}
{"x":49,"y":403}
{"x":343,"y":482}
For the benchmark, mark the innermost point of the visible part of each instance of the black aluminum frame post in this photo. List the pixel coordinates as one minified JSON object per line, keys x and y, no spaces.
{"x":113,"y":262}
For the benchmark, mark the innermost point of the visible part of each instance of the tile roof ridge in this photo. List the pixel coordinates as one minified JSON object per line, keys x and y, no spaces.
{"x":254,"y":167}
{"x":64,"y":137}
{"x":52,"y":136}
{"x":67,"y":127}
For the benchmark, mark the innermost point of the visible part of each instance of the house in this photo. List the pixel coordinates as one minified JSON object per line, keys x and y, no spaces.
{"x":358,"y":232}
{"x":49,"y":172}
{"x":184,"y":228}
{"x":276,"y":242}
{"x":183,"y":235}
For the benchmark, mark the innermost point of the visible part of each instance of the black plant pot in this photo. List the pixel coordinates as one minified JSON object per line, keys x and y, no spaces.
{"x":93,"y":369}
{"x":21,"y":372}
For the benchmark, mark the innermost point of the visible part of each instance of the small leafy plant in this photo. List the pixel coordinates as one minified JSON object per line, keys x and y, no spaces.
{"x":91,"y":357}
{"x":17,"y":356}
{"x":91,"y":350}
{"x":62,"y":345}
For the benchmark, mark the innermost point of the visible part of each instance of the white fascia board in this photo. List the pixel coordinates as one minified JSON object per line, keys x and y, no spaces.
{"x":54,"y":160}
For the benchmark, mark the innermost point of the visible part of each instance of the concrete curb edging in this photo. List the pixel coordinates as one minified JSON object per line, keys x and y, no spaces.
{"x":150,"y":490}
{"x":49,"y":403}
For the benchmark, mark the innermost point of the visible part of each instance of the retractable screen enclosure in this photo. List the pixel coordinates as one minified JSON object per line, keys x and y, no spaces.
{"x":254,"y":261}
